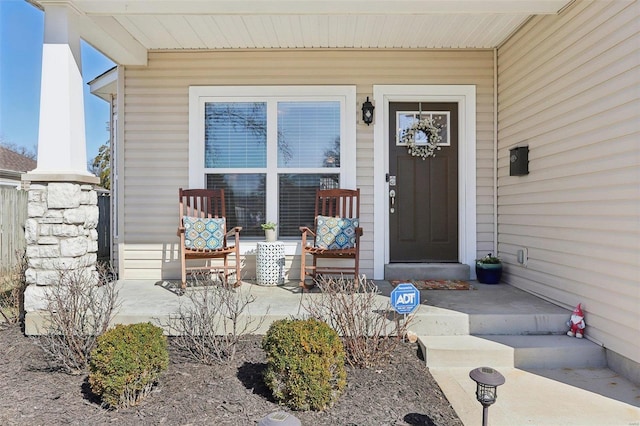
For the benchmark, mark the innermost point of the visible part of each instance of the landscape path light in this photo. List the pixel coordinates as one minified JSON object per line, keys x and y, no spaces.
{"x":487,"y":381}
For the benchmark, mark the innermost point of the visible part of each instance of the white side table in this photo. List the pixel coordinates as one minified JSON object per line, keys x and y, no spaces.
{"x":270,"y":263}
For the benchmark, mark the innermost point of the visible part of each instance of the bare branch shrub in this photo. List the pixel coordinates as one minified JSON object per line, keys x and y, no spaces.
{"x":79,"y":308}
{"x":209,"y":325}
{"x":369,"y":327}
{"x":12,"y":286}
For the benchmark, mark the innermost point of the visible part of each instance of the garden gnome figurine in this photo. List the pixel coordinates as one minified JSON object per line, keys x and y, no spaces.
{"x":576,"y":323}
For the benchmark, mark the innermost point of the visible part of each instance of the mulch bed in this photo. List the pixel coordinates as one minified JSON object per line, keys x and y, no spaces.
{"x":436,"y":284}
{"x":399,"y":392}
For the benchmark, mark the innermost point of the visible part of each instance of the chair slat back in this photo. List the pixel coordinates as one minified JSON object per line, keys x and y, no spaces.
{"x":338,"y":202}
{"x":204,"y":203}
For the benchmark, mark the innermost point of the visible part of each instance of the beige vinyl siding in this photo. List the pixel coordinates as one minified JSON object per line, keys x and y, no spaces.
{"x":569,"y":89}
{"x":156,"y":131}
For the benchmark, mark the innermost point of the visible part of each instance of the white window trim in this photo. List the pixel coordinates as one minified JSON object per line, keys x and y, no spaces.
{"x":465,"y":96}
{"x":346,"y":95}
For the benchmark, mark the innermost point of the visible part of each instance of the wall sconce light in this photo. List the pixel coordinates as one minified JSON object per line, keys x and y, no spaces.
{"x":367,"y":112}
{"x":487,"y":381}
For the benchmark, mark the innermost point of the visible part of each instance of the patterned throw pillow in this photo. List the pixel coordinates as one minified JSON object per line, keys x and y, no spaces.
{"x":336,"y":232}
{"x":203,"y":233}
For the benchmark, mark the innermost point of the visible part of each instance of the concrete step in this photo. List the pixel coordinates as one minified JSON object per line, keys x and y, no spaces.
{"x":551,"y":352}
{"x":434,"y":321}
{"x":518,"y":323}
{"x":464,"y":351}
{"x":528,"y":352}
{"x":425,"y":271}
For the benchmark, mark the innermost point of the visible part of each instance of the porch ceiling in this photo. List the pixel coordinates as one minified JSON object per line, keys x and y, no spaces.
{"x":125,"y":30}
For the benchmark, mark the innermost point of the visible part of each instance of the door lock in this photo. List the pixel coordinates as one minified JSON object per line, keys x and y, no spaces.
{"x":392,"y":195}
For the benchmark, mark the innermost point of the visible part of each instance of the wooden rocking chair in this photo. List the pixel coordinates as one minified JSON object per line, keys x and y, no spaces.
{"x":203,"y":234}
{"x":336,"y":234}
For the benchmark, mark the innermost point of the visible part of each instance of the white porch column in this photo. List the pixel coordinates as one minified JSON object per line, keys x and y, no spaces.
{"x":62,"y":208}
{"x":61,"y":139}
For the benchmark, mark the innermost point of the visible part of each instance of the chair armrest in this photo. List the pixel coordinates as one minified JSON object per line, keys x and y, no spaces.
{"x":305,"y":229}
{"x":233,"y":231}
{"x":359,"y":233}
{"x":180,"y":231}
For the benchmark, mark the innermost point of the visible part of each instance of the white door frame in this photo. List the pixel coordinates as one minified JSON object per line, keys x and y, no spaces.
{"x":465,"y":96}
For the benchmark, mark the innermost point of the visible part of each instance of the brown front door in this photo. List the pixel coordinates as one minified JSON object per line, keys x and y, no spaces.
{"x":423,"y":215}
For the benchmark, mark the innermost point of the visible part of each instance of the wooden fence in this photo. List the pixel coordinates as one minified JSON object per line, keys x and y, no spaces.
{"x":13,"y":215}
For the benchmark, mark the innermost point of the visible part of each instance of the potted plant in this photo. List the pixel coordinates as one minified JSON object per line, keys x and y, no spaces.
{"x":269,"y":229}
{"x":489,"y":269}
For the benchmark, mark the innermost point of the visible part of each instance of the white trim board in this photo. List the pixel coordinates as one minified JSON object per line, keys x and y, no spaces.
{"x":465,"y":96}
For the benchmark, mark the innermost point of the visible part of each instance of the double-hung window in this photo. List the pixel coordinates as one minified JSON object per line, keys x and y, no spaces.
{"x":270,"y":148}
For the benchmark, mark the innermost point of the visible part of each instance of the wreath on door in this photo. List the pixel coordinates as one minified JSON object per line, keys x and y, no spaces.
{"x":432,"y":132}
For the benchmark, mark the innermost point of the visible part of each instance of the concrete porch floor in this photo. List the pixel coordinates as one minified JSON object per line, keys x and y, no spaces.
{"x":146,"y":300}
{"x":535,"y":396}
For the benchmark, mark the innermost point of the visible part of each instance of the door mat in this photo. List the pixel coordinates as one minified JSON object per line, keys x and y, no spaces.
{"x":436,"y":284}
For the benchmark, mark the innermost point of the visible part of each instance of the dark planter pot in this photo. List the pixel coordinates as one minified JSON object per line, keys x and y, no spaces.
{"x":489,"y":273}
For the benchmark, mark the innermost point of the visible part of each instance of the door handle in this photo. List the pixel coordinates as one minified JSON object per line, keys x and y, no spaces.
{"x":392,"y":195}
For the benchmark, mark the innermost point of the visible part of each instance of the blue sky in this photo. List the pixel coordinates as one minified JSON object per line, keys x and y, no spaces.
{"x":21,"y":36}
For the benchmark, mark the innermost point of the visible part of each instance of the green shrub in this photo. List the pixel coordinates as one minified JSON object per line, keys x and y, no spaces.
{"x":127,"y":362}
{"x":305,"y":364}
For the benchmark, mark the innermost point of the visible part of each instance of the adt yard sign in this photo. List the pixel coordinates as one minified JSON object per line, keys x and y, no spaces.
{"x":405,"y":298}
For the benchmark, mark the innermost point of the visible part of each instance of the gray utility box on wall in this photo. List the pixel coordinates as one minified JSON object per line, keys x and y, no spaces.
{"x":519,"y":161}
